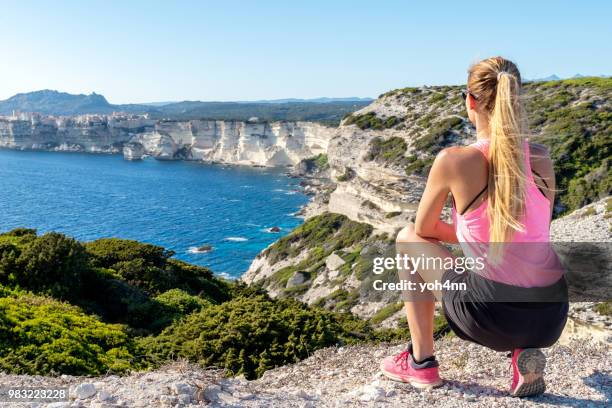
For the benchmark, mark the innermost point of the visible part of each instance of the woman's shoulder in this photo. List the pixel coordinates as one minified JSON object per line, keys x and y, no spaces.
{"x":458,"y":166}
{"x":460,"y":158}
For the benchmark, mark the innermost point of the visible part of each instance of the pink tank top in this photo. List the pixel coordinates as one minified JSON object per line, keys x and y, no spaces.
{"x":528,"y":260}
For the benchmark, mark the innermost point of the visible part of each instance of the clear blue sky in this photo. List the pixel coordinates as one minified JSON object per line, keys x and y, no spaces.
{"x":144,"y":51}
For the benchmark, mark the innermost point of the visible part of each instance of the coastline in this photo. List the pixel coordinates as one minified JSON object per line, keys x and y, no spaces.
{"x":177,"y":205}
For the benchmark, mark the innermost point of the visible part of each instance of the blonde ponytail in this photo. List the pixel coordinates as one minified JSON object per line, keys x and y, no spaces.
{"x":496,"y":82}
{"x":506,"y":161}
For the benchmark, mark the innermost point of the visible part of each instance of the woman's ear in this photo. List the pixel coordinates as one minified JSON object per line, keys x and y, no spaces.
{"x":471,"y":102}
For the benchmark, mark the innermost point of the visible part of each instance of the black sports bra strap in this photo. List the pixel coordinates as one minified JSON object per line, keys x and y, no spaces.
{"x":474,"y":200}
{"x":485,"y":189}
{"x":540,"y":177}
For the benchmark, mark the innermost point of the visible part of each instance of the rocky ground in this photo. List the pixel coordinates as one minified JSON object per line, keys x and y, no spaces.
{"x":591,"y":223}
{"x":578,"y":375}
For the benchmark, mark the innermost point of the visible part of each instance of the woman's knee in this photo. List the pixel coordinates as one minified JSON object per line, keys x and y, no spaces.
{"x":407,"y":234}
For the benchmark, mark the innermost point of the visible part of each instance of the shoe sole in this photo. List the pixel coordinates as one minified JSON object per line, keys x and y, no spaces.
{"x":530,"y":364}
{"x":415,"y":384}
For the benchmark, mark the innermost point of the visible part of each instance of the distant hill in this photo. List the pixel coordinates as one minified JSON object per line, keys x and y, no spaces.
{"x":552,"y":77}
{"x":315,"y":100}
{"x":54,"y":102}
{"x":329,"y":112}
{"x":49,"y":102}
{"x":555,"y":77}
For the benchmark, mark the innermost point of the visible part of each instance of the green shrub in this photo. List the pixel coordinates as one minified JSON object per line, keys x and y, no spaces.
{"x":346,"y":176}
{"x":39,"y":335}
{"x":53,"y":264}
{"x":120,"y":302}
{"x":575,"y":125}
{"x":425,"y":121}
{"x":321,"y":161}
{"x":438,"y":135}
{"x":419,"y":166}
{"x":317,"y":163}
{"x":201,"y":318}
{"x":371,"y":121}
{"x":107,"y":252}
{"x":437,"y":97}
{"x":604,"y":308}
{"x":389,"y":151}
{"x":20,"y":232}
{"x":247,"y":335}
{"x":178,"y":303}
{"x":9,"y":253}
{"x":150,"y":268}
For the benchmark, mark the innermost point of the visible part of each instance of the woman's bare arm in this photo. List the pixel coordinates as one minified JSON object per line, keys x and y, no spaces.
{"x":428,"y":223}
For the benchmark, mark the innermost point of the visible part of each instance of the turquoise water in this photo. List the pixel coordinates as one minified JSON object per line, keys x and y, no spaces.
{"x":179,"y":205}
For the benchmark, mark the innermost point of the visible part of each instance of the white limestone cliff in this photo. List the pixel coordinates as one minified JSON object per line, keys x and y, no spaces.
{"x":232,"y":142}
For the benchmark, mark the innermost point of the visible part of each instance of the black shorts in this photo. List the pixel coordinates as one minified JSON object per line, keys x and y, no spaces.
{"x":488,"y":314}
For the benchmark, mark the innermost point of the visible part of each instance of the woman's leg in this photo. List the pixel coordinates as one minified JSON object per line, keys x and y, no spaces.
{"x":420,"y":305}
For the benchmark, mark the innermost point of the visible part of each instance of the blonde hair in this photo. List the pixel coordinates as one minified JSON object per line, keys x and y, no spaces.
{"x":496,"y":85}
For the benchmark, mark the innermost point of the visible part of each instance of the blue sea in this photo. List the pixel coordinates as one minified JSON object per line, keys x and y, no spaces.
{"x":175,"y":204}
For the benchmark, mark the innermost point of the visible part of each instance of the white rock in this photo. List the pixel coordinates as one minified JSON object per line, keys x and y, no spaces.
{"x":244,"y":395}
{"x":372,"y":393}
{"x":182,"y":388}
{"x":184,"y":398}
{"x":101,"y":404}
{"x":104,"y":395}
{"x":301,"y":394}
{"x":333,"y":262}
{"x":297,"y":279}
{"x":85,"y":390}
{"x":227,"y":398}
{"x":168,"y":400}
{"x":58,"y":405}
{"x":211,"y":393}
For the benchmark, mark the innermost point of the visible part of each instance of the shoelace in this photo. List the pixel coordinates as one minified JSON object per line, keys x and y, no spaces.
{"x":403,"y":356}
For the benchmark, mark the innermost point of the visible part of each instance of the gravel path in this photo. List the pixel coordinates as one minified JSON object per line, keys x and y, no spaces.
{"x":577,"y":375}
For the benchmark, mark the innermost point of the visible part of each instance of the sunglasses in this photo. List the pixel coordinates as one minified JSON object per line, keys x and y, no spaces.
{"x":467,"y":92}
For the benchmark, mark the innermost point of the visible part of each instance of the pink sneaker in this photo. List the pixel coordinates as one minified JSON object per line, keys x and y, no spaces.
{"x":528,"y":370}
{"x":402,"y":367}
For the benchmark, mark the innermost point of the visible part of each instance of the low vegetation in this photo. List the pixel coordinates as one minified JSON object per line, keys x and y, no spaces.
{"x":249,"y":335}
{"x":335,"y":230}
{"x":42,"y":335}
{"x":371,"y":121}
{"x":316,"y":164}
{"x":389,"y":151}
{"x":572,"y":117}
{"x":604,"y":308}
{"x":439,"y":135}
{"x":113,"y":305}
